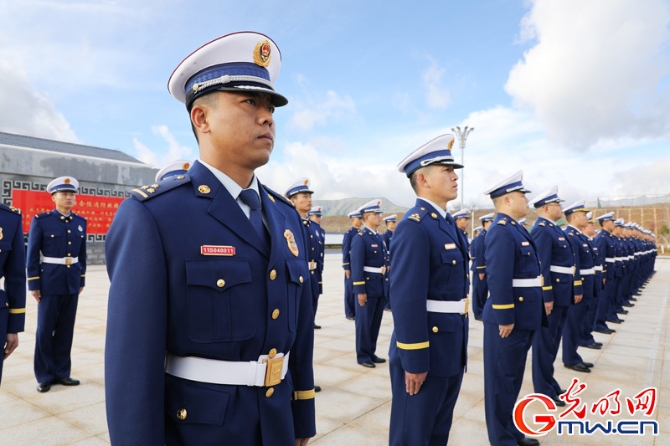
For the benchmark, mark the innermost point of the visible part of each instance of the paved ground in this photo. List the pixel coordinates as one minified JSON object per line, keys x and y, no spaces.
{"x":354,"y":406}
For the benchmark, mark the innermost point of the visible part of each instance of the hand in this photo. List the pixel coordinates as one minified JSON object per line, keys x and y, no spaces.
{"x":301,"y":441}
{"x":362,"y":299}
{"x":81,"y":289}
{"x":505,"y":330}
{"x":347,"y":273}
{"x":604,"y":280}
{"x":548,"y":306}
{"x":413,"y":382}
{"x":578,"y":298}
{"x":37,"y":295}
{"x":481,"y":276}
{"x":12,"y":343}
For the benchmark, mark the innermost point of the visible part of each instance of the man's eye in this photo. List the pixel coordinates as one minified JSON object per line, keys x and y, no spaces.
{"x":271,"y":109}
{"x":251,"y":101}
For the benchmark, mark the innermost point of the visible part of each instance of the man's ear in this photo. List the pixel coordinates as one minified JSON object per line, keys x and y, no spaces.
{"x":199,"y":114}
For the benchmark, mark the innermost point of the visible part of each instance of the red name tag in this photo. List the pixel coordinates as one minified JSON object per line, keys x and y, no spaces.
{"x":212,"y":250}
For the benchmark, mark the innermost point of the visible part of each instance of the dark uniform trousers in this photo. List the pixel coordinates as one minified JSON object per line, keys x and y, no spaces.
{"x":605,"y":243}
{"x":430,"y":258}
{"x":553,"y":250}
{"x":205,"y":285}
{"x":12,"y":269}
{"x":368,"y":250}
{"x":511,"y":254}
{"x":349,"y":298}
{"x":55,"y":236}
{"x":574,"y":328}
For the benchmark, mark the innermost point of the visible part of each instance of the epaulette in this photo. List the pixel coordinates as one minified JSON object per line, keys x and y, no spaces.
{"x":571,"y":233}
{"x":360,"y":233}
{"x":43,"y":214}
{"x":415,"y":214}
{"x":11,"y":209}
{"x":274,"y":195}
{"x":542,"y":224}
{"x":145,"y":192}
{"x":502,"y":221}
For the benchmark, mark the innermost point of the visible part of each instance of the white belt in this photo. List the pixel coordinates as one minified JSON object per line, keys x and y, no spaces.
{"x":233,"y":373}
{"x":444,"y":306}
{"x":562,"y":269}
{"x":619,"y":259}
{"x":631,"y":257}
{"x":610,"y":259}
{"x":598,"y":268}
{"x":527,"y":283}
{"x":60,"y":260}
{"x":587,"y":272}
{"x":372,"y":269}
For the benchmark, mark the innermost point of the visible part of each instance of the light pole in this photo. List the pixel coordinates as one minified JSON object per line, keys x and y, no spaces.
{"x":462,"y":137}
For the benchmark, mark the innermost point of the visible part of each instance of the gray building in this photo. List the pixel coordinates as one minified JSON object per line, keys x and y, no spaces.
{"x":105,"y":176}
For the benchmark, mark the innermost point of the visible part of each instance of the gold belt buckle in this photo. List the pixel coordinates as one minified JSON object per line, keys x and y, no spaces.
{"x":312,"y":265}
{"x":467,"y":305}
{"x":541,"y":280}
{"x":68,"y":261}
{"x":384,"y":269}
{"x":273,"y":371}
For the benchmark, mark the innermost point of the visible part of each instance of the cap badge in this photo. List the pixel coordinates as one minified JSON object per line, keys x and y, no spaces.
{"x":186,"y":166}
{"x":450,"y":145}
{"x":66,"y":181}
{"x":290,"y":241}
{"x":262,"y":53}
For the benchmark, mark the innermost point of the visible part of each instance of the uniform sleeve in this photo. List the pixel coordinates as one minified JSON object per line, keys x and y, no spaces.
{"x":608,"y":267}
{"x":15,"y":282}
{"x":300,"y":363}
{"x":500,"y":251}
{"x":33,"y":254}
{"x":480,"y":256}
{"x":346,"y":246}
{"x":574,"y":244}
{"x":82,"y":257}
{"x":544,"y":243}
{"x":136,"y":328}
{"x":409,"y":293}
{"x":357,"y":263}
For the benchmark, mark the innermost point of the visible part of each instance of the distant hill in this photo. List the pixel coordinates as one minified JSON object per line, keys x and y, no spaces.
{"x":346,"y":205}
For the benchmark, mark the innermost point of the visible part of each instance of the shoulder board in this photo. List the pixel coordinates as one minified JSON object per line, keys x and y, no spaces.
{"x":571,"y":233}
{"x":274,"y":196}
{"x":361,"y":233}
{"x":542,"y":224}
{"x":11,"y":209}
{"x":43,"y":214}
{"x":149,"y":191}
{"x":502,"y":222}
{"x":417,"y":213}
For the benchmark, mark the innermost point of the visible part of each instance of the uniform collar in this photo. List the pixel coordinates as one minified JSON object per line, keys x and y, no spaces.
{"x":578,"y":231}
{"x":442,"y":212}
{"x":371,"y":230}
{"x":231,"y":186}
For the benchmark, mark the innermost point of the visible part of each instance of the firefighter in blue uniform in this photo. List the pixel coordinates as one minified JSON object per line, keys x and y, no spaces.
{"x":514,"y":311}
{"x":558,"y":267}
{"x":13,"y":270}
{"x":616,"y":309}
{"x":315,"y":214}
{"x":480,"y":289}
{"x":369,"y":277}
{"x":349,"y":298}
{"x":300,"y":194}
{"x":56,"y":282}
{"x":210,"y":326}
{"x":429,"y":288}
{"x":586,"y":338}
{"x":462,"y":219}
{"x":390,"y":221}
{"x":606,"y":302}
{"x":584,"y":285}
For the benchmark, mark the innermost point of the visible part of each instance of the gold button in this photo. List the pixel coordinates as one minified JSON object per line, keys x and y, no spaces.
{"x":275,"y":314}
{"x":69,"y":243}
{"x":181,"y":414}
{"x":68,"y":231}
{"x":269,"y":392}
{"x":272,"y":353}
{"x":434,"y":215}
{"x":204,"y":189}
{"x":558,"y":280}
{"x":300,"y":279}
{"x":435,"y":329}
{"x":312,"y":272}
{"x":273,"y":274}
{"x":52,"y":235}
{"x":67,"y":266}
{"x":220,"y":283}
{"x":453,"y":261}
{"x":520,"y":299}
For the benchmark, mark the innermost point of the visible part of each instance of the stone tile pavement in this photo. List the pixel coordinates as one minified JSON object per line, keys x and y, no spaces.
{"x":355,"y":403}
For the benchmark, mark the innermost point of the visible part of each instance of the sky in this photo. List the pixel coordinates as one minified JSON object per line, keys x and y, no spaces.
{"x":575,"y":93}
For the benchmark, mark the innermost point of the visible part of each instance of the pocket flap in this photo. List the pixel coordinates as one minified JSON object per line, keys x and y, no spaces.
{"x":444,"y":322}
{"x":452,"y":256}
{"x":296,"y":270}
{"x":5,"y":245}
{"x":191,"y":403}
{"x":217,"y":274}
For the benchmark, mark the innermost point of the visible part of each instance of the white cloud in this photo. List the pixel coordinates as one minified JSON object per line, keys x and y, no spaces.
{"x":161,"y":156}
{"x":597,"y":70}
{"x":319,"y":111}
{"x":26,"y":112}
{"x":437,"y":96}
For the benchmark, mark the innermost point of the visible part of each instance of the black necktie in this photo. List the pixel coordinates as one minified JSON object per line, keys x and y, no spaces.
{"x":250,"y":198}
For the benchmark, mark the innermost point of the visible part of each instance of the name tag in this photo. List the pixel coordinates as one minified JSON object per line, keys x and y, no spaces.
{"x":525,"y":243}
{"x":450,"y":246}
{"x":561,"y":239}
{"x":213,"y":250}
{"x":586,"y":245}
{"x":374,"y":246}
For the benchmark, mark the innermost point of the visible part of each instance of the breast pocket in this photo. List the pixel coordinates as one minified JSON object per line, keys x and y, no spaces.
{"x":220,"y":300}
{"x":53,"y":241}
{"x":451,"y":274}
{"x":528,"y":258}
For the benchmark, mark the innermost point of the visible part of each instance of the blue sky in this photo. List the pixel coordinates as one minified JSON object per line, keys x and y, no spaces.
{"x":573,"y":92}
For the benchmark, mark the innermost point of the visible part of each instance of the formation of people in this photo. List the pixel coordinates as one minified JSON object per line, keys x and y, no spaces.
{"x":211,"y":316}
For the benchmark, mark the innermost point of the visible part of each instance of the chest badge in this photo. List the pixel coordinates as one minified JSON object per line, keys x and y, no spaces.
{"x":80,"y":228}
{"x":290,"y":241}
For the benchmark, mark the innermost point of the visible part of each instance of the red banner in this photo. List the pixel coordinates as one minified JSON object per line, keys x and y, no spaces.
{"x":98,"y":211}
